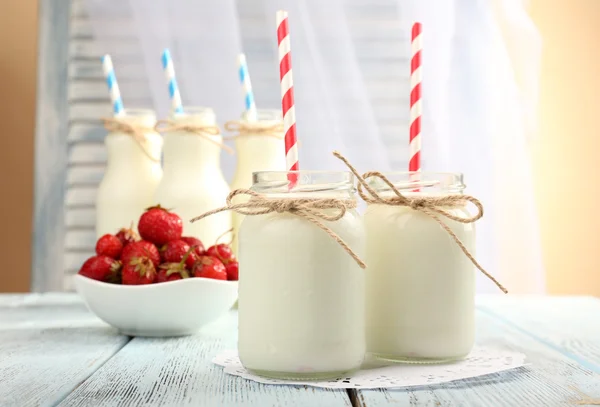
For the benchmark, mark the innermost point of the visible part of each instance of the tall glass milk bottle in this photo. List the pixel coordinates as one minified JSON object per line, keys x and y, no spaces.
{"x":262,"y":150}
{"x":301,"y":295}
{"x":193,"y":182}
{"x":132,"y":173}
{"x":420,"y":285}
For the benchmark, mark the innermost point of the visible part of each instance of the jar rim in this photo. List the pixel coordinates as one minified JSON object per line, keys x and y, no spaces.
{"x":265,"y":115}
{"x":428,"y":180}
{"x":306,"y":181}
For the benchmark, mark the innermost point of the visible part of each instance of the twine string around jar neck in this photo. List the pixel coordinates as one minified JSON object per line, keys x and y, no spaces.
{"x":204,"y":131}
{"x":244,"y":128}
{"x":310,"y":209}
{"x":138,"y":132}
{"x":432,"y":206}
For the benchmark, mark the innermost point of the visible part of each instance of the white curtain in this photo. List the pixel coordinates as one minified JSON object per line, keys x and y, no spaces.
{"x":351,"y":76}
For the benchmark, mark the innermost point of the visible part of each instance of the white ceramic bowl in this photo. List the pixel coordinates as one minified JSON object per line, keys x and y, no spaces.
{"x":173,"y":308}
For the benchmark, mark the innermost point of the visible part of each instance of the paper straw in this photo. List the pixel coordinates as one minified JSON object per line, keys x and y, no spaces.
{"x":287,"y":95}
{"x":416,"y":107}
{"x":251,"y":114}
{"x":113,"y":86}
{"x":174,"y":95}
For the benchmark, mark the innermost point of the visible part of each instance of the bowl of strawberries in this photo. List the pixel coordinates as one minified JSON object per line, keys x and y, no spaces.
{"x":158,"y":282}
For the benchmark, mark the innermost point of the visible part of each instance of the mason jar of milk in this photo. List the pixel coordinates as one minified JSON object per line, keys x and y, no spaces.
{"x":301,"y":295}
{"x":193,"y":181}
{"x":259,"y":147}
{"x":132,"y":172}
{"x":420,"y":302}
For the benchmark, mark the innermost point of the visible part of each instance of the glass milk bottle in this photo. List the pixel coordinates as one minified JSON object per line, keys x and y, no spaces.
{"x":420,"y":285}
{"x":132,"y":173}
{"x":257,"y":151}
{"x":301,"y":295}
{"x":193,"y":182}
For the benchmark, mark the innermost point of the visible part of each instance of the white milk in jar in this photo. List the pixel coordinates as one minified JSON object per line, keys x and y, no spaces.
{"x":132,"y":173}
{"x":420,"y":285}
{"x":301,"y":295}
{"x":262,"y":150}
{"x":193,"y":182}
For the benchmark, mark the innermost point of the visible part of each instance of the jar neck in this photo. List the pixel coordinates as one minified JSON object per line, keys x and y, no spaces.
{"x":304,"y":184}
{"x":125,"y":153}
{"x":419,"y":184}
{"x":191,"y":152}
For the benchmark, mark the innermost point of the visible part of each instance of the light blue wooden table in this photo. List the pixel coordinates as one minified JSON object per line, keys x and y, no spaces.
{"x":53,"y":352}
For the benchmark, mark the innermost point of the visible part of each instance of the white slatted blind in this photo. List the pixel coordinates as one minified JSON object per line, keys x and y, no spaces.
{"x":382,"y":48}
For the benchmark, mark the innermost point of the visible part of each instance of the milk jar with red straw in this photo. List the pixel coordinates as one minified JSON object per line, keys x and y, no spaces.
{"x":301,"y":287}
{"x":192,"y":180}
{"x":420,"y":285}
{"x":259,"y":142}
{"x":133,"y":168}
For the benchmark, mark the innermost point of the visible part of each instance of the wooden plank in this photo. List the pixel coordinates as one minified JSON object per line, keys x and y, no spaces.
{"x":80,"y":240}
{"x":98,"y":92}
{"x":124,"y":50}
{"x":87,"y":153}
{"x":85,"y":175}
{"x":86,"y":70}
{"x":50,"y":146}
{"x":81,"y":218}
{"x":179,"y":372}
{"x":49,"y":347}
{"x":569,"y":325}
{"x":550,"y":380}
{"x":86,"y":132}
{"x":81,"y":196}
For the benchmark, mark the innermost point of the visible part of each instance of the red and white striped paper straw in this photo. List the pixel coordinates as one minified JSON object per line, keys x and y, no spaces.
{"x":416,"y":106}
{"x":287,"y":94}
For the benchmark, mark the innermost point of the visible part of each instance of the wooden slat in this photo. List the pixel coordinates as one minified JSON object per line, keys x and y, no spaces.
{"x":126,"y":49}
{"x":87,"y":153}
{"x":179,"y":372}
{"x":78,"y":240}
{"x":82,"y":70}
{"x":91,"y":112}
{"x":48,"y":348}
{"x":98,"y":91}
{"x":50,"y":142}
{"x":117,"y":28}
{"x":86,"y":132}
{"x":78,"y":218}
{"x":550,"y":380}
{"x":81,"y":196}
{"x":88,"y":175}
{"x":564,"y":324}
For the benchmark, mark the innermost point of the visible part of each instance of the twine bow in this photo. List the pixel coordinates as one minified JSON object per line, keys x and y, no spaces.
{"x":431,"y":206}
{"x":248,"y":128}
{"x":310,"y":209}
{"x":205,"y":131}
{"x":114,"y":124}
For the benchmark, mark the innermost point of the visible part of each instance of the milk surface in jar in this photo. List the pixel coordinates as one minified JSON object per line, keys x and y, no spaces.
{"x":420,"y":285}
{"x":257,"y":150}
{"x":193,"y":181}
{"x":132,"y":174}
{"x":301,"y":295}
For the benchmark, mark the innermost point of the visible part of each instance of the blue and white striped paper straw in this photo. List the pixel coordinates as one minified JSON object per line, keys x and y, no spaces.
{"x":113,"y":86}
{"x":174,"y":95}
{"x":251,"y":114}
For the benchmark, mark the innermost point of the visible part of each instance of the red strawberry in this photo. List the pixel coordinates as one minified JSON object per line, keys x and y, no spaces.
{"x":171,"y":272}
{"x":139,"y":270}
{"x":210,"y":267}
{"x":160,"y":226}
{"x":128,"y":235}
{"x":102,"y":268}
{"x":109,"y":245}
{"x":233,"y":272}
{"x":222,"y":252}
{"x":176,"y":250}
{"x":140,"y":249}
{"x":196,"y":244}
